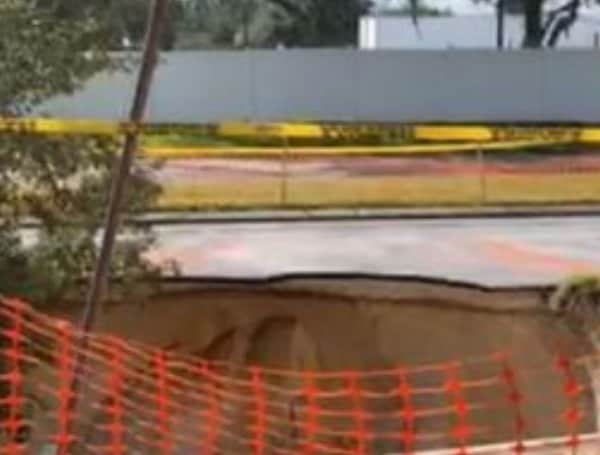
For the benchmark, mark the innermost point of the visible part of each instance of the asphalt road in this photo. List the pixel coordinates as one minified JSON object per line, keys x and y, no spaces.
{"x":494,"y":252}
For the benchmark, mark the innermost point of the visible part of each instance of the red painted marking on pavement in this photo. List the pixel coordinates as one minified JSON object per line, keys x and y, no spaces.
{"x":182,"y":256}
{"x":233,"y":251}
{"x":525,"y":258}
{"x":198,"y":254}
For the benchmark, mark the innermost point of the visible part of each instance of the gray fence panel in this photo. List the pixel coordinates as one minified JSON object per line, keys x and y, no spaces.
{"x":202,"y":87}
{"x":345,"y":85}
{"x":402,"y":89}
{"x":302,"y":85}
{"x":476,"y":86}
{"x":451,"y":86}
{"x":571,"y":86}
{"x":106,"y":96}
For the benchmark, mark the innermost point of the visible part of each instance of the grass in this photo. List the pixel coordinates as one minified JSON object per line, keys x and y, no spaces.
{"x":177,"y":140}
{"x":173,"y":139}
{"x":385,"y":191}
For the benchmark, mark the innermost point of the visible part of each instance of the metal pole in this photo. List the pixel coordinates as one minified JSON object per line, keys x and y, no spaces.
{"x":482,"y":178}
{"x":284,"y":172}
{"x":122,"y":170}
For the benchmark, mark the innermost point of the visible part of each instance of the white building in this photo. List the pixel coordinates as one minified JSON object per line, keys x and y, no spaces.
{"x":462,"y":32}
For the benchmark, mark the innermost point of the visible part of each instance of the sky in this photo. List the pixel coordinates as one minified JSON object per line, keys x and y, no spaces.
{"x":471,"y":7}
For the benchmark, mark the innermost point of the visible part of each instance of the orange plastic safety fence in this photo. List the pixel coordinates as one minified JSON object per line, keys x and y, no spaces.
{"x":142,"y":400}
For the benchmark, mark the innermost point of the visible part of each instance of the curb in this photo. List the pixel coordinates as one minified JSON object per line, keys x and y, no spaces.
{"x":172,"y":218}
{"x":324,"y":215}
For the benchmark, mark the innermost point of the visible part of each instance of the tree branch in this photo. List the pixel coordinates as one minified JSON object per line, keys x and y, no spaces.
{"x":560,"y":21}
{"x":289,"y":6}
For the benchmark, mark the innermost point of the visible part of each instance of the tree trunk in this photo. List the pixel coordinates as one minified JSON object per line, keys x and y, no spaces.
{"x":500,"y":16}
{"x":563,"y":22}
{"x":534,"y":28}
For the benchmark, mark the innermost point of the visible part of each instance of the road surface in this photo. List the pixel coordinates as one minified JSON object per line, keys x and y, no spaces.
{"x":492,"y":252}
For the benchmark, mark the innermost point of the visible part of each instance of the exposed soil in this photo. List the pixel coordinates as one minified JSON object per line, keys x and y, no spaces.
{"x":372,"y":325}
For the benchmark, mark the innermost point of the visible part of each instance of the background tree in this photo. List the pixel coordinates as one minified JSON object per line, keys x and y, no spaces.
{"x":414,"y":8}
{"x":221,"y":21}
{"x":128,"y":20}
{"x":226,"y":23}
{"x":268,"y":23}
{"x":124,"y":20}
{"x":421,"y":11}
{"x":318,"y":23}
{"x":546,"y":21}
{"x":61,"y":181}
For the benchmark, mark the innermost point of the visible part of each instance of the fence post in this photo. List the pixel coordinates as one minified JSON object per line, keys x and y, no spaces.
{"x":120,"y":179}
{"x":283,"y":189}
{"x":482,"y":178}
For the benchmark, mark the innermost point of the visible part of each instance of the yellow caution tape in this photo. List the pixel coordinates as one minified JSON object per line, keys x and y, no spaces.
{"x":165,"y":153}
{"x":270,"y":130}
{"x":324,"y":132}
{"x":60,"y":126}
{"x":430,"y":133}
{"x":453,"y":133}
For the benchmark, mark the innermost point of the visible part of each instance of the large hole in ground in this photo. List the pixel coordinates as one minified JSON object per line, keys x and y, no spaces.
{"x":367,"y":325}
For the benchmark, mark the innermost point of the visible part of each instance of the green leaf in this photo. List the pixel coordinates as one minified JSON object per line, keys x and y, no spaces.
{"x":64,"y":182}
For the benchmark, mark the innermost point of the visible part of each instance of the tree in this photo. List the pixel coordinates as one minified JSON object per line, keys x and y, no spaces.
{"x":546,"y":29}
{"x":228,"y":23}
{"x":267,"y":23}
{"x":422,"y":11}
{"x":125,"y":20}
{"x":222,"y":20}
{"x":545,"y":22}
{"x":415,"y":9}
{"x":128,"y":21}
{"x":61,"y":181}
{"x":318,"y":22}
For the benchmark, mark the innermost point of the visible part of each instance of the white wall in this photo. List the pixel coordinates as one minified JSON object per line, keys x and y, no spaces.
{"x":461,"y":32}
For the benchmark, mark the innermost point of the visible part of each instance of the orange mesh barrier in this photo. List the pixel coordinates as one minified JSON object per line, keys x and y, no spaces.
{"x":142,"y":400}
